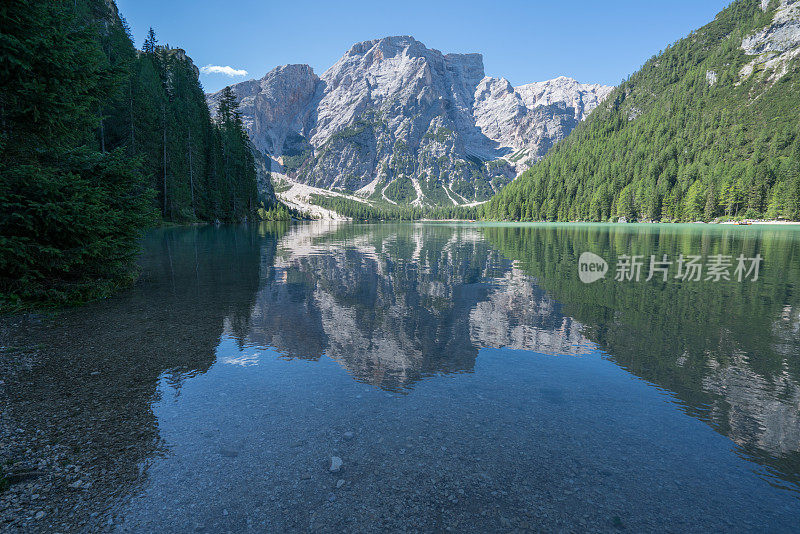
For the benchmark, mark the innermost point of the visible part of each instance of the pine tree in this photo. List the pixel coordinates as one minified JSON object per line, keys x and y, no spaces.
{"x":72,"y":214}
{"x":150,"y":42}
{"x":238,"y":177}
{"x":93,"y":137}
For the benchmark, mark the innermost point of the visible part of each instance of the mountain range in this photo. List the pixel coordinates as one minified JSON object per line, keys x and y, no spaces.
{"x":394,"y":122}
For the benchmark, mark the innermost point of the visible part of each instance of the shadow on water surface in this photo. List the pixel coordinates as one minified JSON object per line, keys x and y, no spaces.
{"x":85,"y":403}
{"x":239,"y":346}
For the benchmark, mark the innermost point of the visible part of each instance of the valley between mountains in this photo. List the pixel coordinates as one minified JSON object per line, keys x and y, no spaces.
{"x":706,"y":130}
{"x":395,"y":123}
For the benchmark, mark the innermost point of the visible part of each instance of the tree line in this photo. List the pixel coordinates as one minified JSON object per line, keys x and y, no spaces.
{"x":361,"y":211}
{"x":201,"y":169}
{"x":98,"y":141}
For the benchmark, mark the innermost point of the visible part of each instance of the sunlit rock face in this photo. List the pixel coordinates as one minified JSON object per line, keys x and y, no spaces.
{"x":273,"y":108}
{"x":775,"y":45}
{"x":532,"y":118}
{"x":402,"y":123}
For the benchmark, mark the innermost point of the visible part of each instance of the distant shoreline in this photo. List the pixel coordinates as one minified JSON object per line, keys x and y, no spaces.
{"x":757,"y":221}
{"x":747,"y":222}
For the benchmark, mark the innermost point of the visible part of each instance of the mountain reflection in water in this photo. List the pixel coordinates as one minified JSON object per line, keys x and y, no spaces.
{"x":393,"y":304}
{"x":475,"y":344}
{"x":728,"y":351}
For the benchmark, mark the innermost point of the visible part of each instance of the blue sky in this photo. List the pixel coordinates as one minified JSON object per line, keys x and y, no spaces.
{"x":592,"y":41}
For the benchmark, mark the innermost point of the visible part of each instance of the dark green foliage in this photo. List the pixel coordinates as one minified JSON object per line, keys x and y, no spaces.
{"x":292,"y":163}
{"x":360,"y":211}
{"x":234,"y":168}
{"x":401,"y":190}
{"x":89,"y":130}
{"x":201,"y":170}
{"x":71,"y":209}
{"x":669,"y":145}
{"x":70,"y":228}
{"x":277,"y":212}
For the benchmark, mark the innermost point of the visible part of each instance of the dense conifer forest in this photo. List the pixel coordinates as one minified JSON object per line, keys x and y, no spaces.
{"x":98,"y":141}
{"x":686,"y":138}
{"x":360,"y":211}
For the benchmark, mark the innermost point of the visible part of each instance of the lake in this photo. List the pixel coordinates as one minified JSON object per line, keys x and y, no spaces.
{"x":423,"y":377}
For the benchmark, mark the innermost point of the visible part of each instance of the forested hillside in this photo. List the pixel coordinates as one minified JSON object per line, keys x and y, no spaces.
{"x":97,"y":142}
{"x":708,"y":128}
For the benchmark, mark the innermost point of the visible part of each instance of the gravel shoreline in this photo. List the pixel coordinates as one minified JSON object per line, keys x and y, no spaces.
{"x":62,"y":470}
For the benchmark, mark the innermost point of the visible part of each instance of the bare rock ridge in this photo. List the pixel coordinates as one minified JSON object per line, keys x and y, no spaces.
{"x":396,"y":122}
{"x":275,"y":108}
{"x":775,"y":45}
{"x":531,"y":118}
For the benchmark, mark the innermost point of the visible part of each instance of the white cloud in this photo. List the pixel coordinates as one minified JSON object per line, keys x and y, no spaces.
{"x":227,"y":71}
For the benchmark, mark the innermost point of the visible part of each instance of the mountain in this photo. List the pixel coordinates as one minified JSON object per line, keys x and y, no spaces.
{"x":532,"y":118}
{"x":708,"y":128}
{"x":395,"y":122}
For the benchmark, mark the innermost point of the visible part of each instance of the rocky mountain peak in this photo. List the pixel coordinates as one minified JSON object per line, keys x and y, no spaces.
{"x":396,"y":122}
{"x":390,"y":44}
{"x":274,"y":107}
